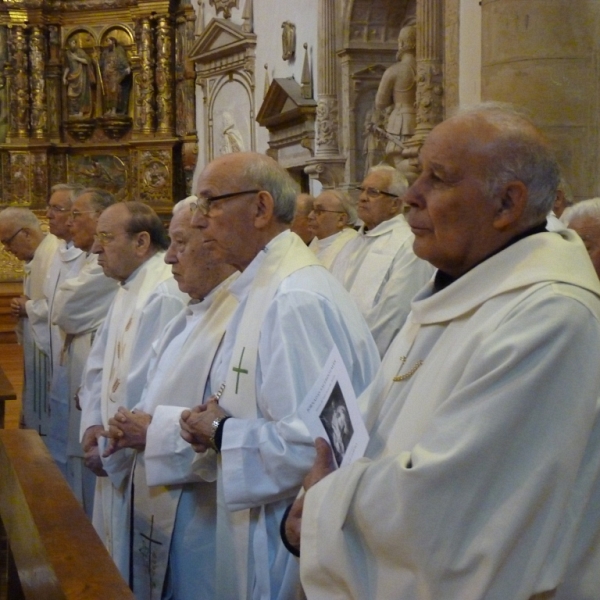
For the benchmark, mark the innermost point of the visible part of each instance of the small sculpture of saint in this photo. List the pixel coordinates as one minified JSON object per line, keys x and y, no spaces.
{"x":79,"y":78}
{"x":232,"y":138}
{"x":116,"y":78}
{"x":288,"y":40}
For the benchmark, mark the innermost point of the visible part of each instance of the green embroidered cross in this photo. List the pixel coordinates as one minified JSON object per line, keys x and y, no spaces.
{"x":239,"y":370}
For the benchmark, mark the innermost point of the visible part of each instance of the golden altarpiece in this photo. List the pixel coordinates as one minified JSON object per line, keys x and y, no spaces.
{"x":96,"y":92}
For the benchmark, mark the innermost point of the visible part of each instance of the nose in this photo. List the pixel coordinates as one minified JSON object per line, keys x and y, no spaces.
{"x":413,"y":197}
{"x":198,"y":219}
{"x":171,"y":255}
{"x":97,"y":247}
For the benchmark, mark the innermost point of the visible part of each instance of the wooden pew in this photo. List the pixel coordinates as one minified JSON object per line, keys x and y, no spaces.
{"x":7,"y":392}
{"x":56,"y":552}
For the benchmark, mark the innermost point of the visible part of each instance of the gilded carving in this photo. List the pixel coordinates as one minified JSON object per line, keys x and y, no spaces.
{"x":155,"y":176}
{"x":164,"y":76}
{"x":144,"y":106}
{"x":19,"y":178}
{"x":79,"y":77}
{"x":19,"y":101}
{"x":105,"y":171}
{"x":39,"y":114}
{"x":3,"y":86}
{"x":115,"y":77}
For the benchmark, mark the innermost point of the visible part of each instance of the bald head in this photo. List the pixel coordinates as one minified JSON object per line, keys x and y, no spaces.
{"x":20,"y":232}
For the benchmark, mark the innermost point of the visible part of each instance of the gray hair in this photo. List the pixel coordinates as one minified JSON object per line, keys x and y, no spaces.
{"x":585,"y":208}
{"x":184,"y":204}
{"x":264,"y":173}
{"x":303,"y":202}
{"x":398,"y":183}
{"x":21,"y":217}
{"x":518,"y":153}
{"x":100,"y":200}
{"x":73,"y":188}
{"x":348,"y":205}
{"x":565,"y":188}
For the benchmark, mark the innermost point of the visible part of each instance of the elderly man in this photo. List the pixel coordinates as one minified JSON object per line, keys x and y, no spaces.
{"x":80,"y":306}
{"x":291,"y":314}
{"x":299,"y":224}
{"x":379,"y":267}
{"x":22,"y":235}
{"x":330,"y":222}
{"x":175,"y":518}
{"x":584,"y":219}
{"x":483,"y":419}
{"x":130,"y":240}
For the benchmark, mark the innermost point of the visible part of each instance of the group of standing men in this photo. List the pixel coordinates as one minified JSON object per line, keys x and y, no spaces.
{"x":482,"y":470}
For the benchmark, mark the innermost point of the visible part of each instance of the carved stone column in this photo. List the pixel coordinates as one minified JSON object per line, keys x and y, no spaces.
{"x":19,"y":84}
{"x":164,"y":76}
{"x":430,"y":88}
{"x":328,"y":165}
{"x":145,"y":113}
{"x":37,"y":60}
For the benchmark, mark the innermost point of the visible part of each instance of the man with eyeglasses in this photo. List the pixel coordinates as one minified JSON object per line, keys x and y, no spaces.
{"x":130,"y":241}
{"x":379,"y":267}
{"x":21,"y":235}
{"x":80,"y":306}
{"x":291,"y":314}
{"x":330,"y":222}
{"x":178,"y":511}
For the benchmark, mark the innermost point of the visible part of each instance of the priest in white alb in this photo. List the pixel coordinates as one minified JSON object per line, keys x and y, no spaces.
{"x":291,"y":314}
{"x":331,"y":222}
{"x":482,"y":475}
{"x":379,"y":267}
{"x":174,"y":506}
{"x":81,"y":304}
{"x":130,"y":242}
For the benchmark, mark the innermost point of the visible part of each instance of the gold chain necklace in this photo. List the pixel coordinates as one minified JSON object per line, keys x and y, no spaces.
{"x":410,"y":373}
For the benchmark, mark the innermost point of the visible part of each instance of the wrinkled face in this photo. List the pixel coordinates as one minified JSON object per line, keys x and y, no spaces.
{"x":374,"y":209}
{"x":17,"y":241}
{"x":82,"y":223}
{"x":300,"y":225}
{"x":116,"y":249}
{"x":58,"y":212}
{"x":228,"y":228}
{"x":588,"y":230}
{"x":449,"y":214}
{"x":327,"y":216}
{"x":189,"y":259}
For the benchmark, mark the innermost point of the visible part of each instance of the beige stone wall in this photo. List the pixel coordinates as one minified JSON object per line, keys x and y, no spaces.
{"x":451,"y":54}
{"x":543,"y":55}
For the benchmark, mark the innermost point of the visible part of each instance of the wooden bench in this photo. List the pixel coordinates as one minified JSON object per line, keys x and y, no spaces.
{"x":56,"y":553}
{"x":7,"y":392}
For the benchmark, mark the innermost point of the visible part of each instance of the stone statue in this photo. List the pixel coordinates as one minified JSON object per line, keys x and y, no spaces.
{"x":288,"y":40}
{"x":232,"y":138}
{"x":79,"y":77}
{"x":397,"y":90}
{"x":116,"y":78}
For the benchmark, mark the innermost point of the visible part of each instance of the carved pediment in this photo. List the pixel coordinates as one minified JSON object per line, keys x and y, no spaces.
{"x":284,"y":105}
{"x":220,"y":38}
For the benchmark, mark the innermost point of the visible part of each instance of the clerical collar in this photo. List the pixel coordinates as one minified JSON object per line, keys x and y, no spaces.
{"x":443,"y":280}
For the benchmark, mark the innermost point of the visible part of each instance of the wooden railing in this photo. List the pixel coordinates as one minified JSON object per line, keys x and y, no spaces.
{"x":55,"y":551}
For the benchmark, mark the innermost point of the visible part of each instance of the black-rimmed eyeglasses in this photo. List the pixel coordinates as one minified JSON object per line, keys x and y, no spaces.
{"x":203,"y":203}
{"x":373,"y":193}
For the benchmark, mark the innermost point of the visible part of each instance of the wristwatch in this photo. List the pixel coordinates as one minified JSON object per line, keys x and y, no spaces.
{"x":214,"y":427}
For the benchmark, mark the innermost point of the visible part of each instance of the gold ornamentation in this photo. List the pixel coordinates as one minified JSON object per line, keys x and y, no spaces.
{"x":164,"y":76}
{"x":410,"y":373}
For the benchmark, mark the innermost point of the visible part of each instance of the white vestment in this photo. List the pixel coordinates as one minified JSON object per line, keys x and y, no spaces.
{"x":328,"y":248}
{"x":175,"y":524}
{"x":481,"y":460}
{"x":291,"y":313}
{"x":382,"y":274}
{"x":36,"y":362}
{"x":66,"y":263}
{"x":80,"y":307}
{"x":114,"y":376}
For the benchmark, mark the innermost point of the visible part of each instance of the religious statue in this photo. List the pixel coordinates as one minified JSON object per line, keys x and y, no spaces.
{"x":288,"y":40}
{"x":79,"y":77}
{"x":232,"y":138}
{"x":116,"y":78}
{"x":397,"y":90}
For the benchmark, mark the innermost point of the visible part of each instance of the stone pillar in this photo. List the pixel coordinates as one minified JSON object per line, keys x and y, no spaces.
{"x":544,"y":57}
{"x":328,"y":165}
{"x":37,"y":60}
{"x":164,"y":76}
{"x":143,"y":123}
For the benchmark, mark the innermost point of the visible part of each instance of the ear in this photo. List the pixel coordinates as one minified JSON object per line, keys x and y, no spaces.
{"x":342,"y":220}
{"x":265,"y":206}
{"x":511,"y":205}
{"x":142,"y":243}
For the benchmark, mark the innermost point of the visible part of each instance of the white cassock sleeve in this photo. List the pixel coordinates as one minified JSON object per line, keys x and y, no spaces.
{"x":405,"y":277}
{"x":478,"y":507}
{"x":265,"y":459}
{"x":81,"y":303}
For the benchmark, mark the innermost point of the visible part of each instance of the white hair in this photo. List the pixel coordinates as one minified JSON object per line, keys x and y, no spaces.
{"x":585,"y":208}
{"x":185,"y":203}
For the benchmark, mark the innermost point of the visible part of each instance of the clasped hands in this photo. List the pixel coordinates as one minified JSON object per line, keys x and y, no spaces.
{"x":126,"y":429}
{"x":17,"y":307}
{"x":196,"y":424}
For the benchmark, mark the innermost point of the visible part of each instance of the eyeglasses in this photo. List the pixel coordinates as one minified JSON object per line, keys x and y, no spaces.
{"x":8,"y":242}
{"x":373,"y":193}
{"x":75,"y":214}
{"x":104,"y":238}
{"x":203,"y":204}
{"x":53,"y":208}
{"x":319,"y":211}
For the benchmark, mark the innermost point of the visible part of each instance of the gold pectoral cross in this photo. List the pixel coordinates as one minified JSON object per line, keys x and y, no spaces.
{"x":411,"y":371}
